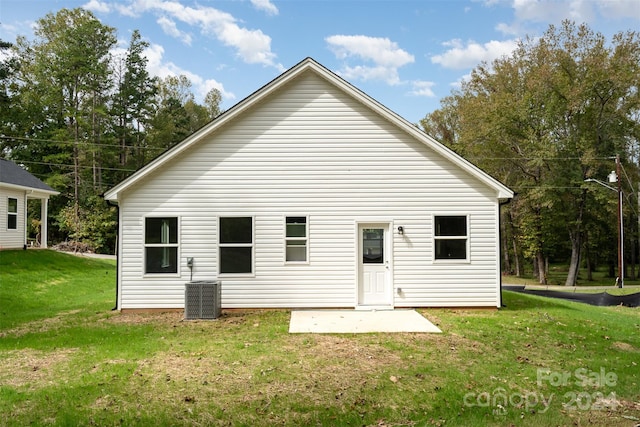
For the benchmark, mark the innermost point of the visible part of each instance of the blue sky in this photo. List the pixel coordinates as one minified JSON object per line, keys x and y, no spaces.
{"x":406,"y":54}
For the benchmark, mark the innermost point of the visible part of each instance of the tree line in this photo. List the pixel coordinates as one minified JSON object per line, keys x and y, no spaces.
{"x":82,"y":118}
{"x":545,"y":119}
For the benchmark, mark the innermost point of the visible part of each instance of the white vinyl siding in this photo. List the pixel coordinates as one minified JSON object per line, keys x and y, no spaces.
{"x":12,"y":225}
{"x":312,"y":148}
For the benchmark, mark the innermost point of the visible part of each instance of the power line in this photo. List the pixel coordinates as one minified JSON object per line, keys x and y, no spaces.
{"x":73,"y":166}
{"x":628,"y":180}
{"x":534,"y":158}
{"x":69,"y":142}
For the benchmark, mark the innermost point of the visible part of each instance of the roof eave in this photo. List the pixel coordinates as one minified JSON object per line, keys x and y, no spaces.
{"x":31,"y":190}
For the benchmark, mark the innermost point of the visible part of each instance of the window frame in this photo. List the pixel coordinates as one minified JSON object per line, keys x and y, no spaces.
{"x":13,"y":215}
{"x":466,"y":238}
{"x":251,"y":245}
{"x":161,"y":245}
{"x":293,"y":238}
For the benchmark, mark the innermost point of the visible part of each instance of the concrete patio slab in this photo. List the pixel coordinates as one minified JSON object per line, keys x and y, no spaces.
{"x":358,"y":321}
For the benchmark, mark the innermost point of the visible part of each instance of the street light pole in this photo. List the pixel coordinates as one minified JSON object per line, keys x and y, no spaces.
{"x":614,"y":176}
{"x":620,"y":229}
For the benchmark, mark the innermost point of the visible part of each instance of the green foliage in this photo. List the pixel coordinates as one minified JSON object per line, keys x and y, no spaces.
{"x":82,"y":120}
{"x":543,"y":120}
{"x":93,"y":224}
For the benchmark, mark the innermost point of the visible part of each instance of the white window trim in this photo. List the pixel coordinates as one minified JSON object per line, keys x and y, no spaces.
{"x":467,"y":260}
{"x":286,"y":239}
{"x":9,"y":213}
{"x":251,"y":245}
{"x":146,"y":245}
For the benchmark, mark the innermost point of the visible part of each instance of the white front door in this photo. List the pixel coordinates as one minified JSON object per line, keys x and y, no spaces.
{"x":374,"y":275}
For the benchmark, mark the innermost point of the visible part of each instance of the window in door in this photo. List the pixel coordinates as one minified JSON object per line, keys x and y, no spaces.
{"x":296,"y":240}
{"x":161,"y":245}
{"x":235,"y":245}
{"x":12,"y":214}
{"x":451,"y":237}
{"x":373,"y":246}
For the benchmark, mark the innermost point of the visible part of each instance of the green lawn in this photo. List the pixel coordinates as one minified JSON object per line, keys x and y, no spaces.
{"x":67,"y":359}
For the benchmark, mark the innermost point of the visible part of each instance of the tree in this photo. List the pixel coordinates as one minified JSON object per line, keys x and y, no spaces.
{"x":66,"y":70}
{"x":212,"y":101}
{"x":177,"y":115}
{"x":133,"y":102}
{"x":62,"y":84}
{"x":81,"y":119}
{"x":6,"y":69}
{"x":543,"y":120}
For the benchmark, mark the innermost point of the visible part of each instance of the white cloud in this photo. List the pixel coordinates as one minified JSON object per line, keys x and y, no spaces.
{"x":619,"y":9}
{"x":159,"y":68}
{"x":266,"y":6}
{"x":461,"y":56}
{"x":252,"y":46}
{"x":170,"y":28}
{"x":555,"y":11}
{"x":422,"y":88}
{"x":97,"y":6}
{"x":386,"y":56}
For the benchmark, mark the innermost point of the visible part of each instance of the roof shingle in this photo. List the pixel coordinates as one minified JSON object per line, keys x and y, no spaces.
{"x":10,"y":173}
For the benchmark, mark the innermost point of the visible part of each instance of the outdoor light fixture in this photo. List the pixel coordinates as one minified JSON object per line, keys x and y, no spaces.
{"x":613,"y":178}
{"x":400,"y":230}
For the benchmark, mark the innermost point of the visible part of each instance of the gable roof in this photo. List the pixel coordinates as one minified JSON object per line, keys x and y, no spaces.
{"x":13,"y":175}
{"x":305,"y":65}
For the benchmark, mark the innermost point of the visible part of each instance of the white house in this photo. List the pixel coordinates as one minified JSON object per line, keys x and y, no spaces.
{"x":17,"y":186}
{"x":309,"y":193}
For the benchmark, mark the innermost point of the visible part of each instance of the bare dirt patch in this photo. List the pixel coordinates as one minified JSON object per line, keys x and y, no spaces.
{"x":618,"y":345}
{"x":32,"y":368}
{"x":229,"y":317}
{"x":163,"y":318}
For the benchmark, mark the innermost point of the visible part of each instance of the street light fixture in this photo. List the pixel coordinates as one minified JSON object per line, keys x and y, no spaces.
{"x":614,"y":177}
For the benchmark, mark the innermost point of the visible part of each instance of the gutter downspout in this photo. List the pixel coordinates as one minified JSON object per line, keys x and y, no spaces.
{"x":500,"y":205}
{"x":117,"y":206}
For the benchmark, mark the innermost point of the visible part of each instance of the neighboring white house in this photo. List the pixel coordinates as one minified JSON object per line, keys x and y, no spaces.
{"x":17,"y":186}
{"x":309,"y":193}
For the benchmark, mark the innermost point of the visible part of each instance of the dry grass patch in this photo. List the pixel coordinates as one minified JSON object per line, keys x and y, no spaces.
{"x":623,"y":346}
{"x":161,"y":318}
{"x":31,"y":368}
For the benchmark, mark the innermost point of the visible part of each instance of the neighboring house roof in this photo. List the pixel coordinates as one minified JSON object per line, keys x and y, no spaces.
{"x":309,"y":64}
{"x":12,"y":175}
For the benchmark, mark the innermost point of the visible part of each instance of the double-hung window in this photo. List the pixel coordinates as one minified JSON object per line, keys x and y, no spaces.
{"x":296,"y":240}
{"x":161,"y":245}
{"x":12,"y":214}
{"x":235,"y":245}
{"x":451,"y":237}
